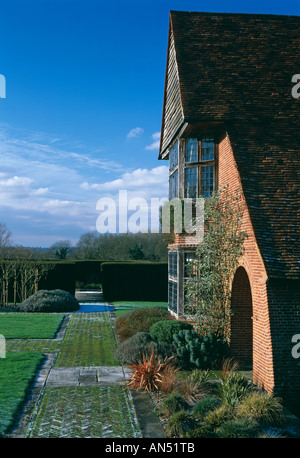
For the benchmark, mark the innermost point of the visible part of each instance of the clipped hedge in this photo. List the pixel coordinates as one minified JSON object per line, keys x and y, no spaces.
{"x":50,"y":301}
{"x":135,"y":281}
{"x":61,"y":276}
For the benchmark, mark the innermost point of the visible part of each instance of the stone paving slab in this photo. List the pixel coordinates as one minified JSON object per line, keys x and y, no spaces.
{"x":76,"y":376}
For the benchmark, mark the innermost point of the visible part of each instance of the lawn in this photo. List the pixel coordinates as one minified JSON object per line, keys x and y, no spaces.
{"x":124,"y":306}
{"x":17,"y":371}
{"x":30,"y":325}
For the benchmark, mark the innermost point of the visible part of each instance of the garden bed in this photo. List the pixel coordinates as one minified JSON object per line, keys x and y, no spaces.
{"x":197,"y":390}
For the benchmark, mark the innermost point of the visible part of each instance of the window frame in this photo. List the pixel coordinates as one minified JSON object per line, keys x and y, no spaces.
{"x":173,"y":171}
{"x":200,"y":164}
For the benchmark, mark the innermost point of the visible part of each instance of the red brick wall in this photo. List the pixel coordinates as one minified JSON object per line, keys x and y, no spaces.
{"x":263,"y":373}
{"x":275,"y":315}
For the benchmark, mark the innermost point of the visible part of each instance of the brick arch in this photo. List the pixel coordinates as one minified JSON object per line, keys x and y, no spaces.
{"x":241,"y":326}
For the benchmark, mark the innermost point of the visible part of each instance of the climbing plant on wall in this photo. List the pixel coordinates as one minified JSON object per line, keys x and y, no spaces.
{"x":208,"y":288}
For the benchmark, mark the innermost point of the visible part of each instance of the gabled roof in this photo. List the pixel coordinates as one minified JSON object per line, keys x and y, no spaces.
{"x":237,"y":69}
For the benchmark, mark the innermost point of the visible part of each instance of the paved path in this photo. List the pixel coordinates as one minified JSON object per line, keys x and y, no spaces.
{"x":86,"y":376}
{"x":87,"y":401}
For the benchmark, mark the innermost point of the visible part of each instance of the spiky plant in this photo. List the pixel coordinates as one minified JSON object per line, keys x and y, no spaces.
{"x":169,"y":381}
{"x":180,"y":424}
{"x":262,"y":407}
{"x":234,"y":387}
{"x":199,"y":376}
{"x":192,"y":391}
{"x":172,"y":404}
{"x":229,"y":365}
{"x":148,"y":373}
{"x":243,"y":427}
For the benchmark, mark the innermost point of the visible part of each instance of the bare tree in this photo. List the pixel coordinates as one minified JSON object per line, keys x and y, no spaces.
{"x":61,"y":249}
{"x":5,"y":240}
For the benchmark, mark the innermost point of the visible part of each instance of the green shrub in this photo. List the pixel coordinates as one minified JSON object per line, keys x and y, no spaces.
{"x":206,"y":405}
{"x":46,"y":301}
{"x":200,"y":352}
{"x":233,"y":388}
{"x":132,"y":350}
{"x":180,"y":424}
{"x":172,"y":404}
{"x":262,"y":407}
{"x":163,"y":331}
{"x":140,"y":320}
{"x":243,"y":427}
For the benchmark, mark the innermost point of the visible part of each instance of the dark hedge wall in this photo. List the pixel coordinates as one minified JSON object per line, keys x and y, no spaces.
{"x":61,"y":277}
{"x":132,"y":280}
{"x":136,"y":280}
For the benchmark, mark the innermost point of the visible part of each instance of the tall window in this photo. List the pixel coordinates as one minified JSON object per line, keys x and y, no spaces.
{"x":173,"y":296}
{"x":173,"y":264}
{"x":173,"y":170}
{"x":199,"y":176}
{"x":190,"y":268}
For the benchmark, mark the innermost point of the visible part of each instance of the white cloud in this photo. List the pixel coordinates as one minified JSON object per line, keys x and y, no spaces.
{"x":136,"y":132}
{"x":155,"y":181}
{"x":155,"y":144}
{"x":48,"y":189}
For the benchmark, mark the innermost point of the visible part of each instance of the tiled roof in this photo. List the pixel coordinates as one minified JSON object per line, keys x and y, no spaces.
{"x":237,"y":69}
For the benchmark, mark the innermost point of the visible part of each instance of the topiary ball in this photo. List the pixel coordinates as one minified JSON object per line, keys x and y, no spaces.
{"x":48,"y":301}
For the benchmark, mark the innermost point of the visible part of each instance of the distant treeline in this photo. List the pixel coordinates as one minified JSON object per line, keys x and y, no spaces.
{"x":95,"y":246}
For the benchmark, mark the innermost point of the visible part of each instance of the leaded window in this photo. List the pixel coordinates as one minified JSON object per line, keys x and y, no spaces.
{"x":190,"y":182}
{"x":173,"y":168}
{"x":173,"y":185}
{"x":207,"y":181}
{"x":199,"y":175}
{"x":191,"y":150}
{"x":173,"y":296}
{"x":189,"y":264}
{"x":173,"y":156}
{"x":173,"y":264}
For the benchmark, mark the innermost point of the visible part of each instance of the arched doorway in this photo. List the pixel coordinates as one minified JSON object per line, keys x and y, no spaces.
{"x":241,"y":339}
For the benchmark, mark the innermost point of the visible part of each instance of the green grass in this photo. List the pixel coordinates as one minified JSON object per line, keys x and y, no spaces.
{"x":124,"y":306}
{"x":89,"y":341}
{"x":17,"y":371}
{"x":29,"y":325}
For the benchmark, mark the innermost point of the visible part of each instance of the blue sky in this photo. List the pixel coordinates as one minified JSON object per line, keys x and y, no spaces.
{"x":82,"y":113}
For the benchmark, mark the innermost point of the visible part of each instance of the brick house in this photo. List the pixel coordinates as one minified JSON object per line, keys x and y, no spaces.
{"x":229,"y":117}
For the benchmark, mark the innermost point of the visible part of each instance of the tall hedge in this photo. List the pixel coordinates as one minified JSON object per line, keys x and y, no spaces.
{"x":62,"y":276}
{"x":135,"y":281}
